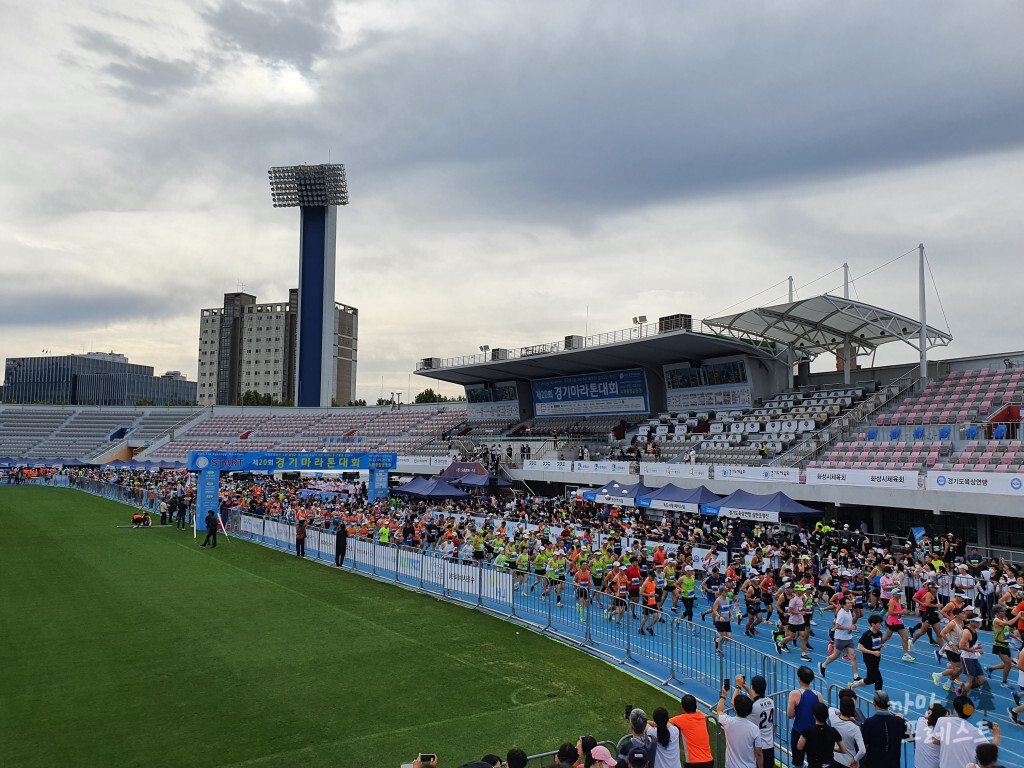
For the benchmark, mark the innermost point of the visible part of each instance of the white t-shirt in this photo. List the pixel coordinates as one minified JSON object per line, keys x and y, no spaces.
{"x":740,"y":739}
{"x":926,"y":752}
{"x":666,"y":757}
{"x":844,"y":618}
{"x":957,"y":741}
{"x":763,"y":717}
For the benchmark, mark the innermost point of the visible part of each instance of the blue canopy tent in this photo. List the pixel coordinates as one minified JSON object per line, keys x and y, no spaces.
{"x":411,"y":487}
{"x":481,"y":481}
{"x":618,"y":494}
{"x":672,"y":497}
{"x":771,"y":508}
{"x":432,"y":489}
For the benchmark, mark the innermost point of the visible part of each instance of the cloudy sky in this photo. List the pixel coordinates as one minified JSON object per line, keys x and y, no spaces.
{"x":517,"y":171}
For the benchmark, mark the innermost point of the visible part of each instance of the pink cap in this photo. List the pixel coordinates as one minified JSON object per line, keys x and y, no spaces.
{"x":602,"y":755}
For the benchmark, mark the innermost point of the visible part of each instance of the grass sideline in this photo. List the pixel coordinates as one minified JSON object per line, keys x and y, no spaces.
{"x":136,"y":647}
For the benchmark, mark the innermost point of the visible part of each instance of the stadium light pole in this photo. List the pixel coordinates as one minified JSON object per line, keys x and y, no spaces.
{"x":317,"y":191}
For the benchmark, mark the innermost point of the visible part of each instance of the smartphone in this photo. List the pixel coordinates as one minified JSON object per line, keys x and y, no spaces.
{"x":629,"y":708}
{"x":427,"y":759}
{"x":986,"y":723}
{"x":725,"y":683}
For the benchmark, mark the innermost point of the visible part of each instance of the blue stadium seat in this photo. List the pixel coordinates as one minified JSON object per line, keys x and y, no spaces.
{"x":1000,"y":432}
{"x":895,"y":434}
{"x":919,"y":433}
{"x":944,"y":433}
{"x":972,"y":432}
{"x":872,"y":434}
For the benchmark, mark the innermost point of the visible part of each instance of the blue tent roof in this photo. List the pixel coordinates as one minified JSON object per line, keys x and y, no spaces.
{"x":432,"y":489}
{"x":698,"y":495}
{"x":607,"y":494}
{"x":410,"y":487}
{"x":779,"y":502}
{"x":481,"y":481}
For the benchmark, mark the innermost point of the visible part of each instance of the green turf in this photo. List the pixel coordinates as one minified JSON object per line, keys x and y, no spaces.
{"x":136,"y":647}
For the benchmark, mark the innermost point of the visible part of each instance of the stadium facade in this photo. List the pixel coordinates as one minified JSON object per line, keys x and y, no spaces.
{"x":246,"y":345}
{"x":94,"y":378}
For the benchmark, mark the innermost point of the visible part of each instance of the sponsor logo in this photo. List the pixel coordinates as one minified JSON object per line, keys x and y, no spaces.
{"x":940,"y":481}
{"x":1015,"y":483}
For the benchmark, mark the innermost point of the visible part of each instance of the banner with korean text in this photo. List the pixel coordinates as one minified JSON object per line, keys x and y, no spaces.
{"x":1004,"y":483}
{"x":869,"y":478}
{"x":758,"y":474}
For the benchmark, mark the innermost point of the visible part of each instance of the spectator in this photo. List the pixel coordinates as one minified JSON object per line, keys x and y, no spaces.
{"x":741,"y":735}
{"x":693,"y":727}
{"x":844,"y":720}
{"x":597,"y":755}
{"x":957,"y":739}
{"x":985,"y":756}
{"x":799,"y":710}
{"x":638,"y":725}
{"x":638,"y":757}
{"x":926,"y":752}
{"x":821,"y":741}
{"x":667,"y":735}
{"x":516,"y":758}
{"x":567,"y":755}
{"x":883,"y":735}
{"x":493,"y":760}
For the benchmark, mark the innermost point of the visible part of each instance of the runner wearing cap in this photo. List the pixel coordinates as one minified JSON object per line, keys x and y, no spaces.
{"x":928,"y":607}
{"x":1001,"y":628}
{"x":686,"y":588}
{"x":649,"y":603}
{"x":720,"y":613}
{"x":970,"y":654}
{"x":950,"y":637}
{"x":584,"y":582}
{"x":894,"y":623}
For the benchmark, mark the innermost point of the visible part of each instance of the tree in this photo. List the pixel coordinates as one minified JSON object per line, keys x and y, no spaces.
{"x":428,"y":395}
{"x":357,"y":402}
{"x":145,"y":402}
{"x":385,"y":401}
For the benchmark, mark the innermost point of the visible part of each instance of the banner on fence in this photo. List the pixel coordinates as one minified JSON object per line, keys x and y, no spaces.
{"x":876,"y":478}
{"x":658,"y":469}
{"x":1004,"y":483}
{"x":552,"y":465}
{"x":462,"y":579}
{"x":759,"y":474}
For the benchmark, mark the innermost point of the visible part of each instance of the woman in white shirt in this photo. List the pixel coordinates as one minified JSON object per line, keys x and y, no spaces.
{"x":926,"y":752}
{"x":667,"y":753}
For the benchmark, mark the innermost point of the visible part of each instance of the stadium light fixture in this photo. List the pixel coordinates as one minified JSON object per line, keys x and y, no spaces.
{"x":308,"y":185}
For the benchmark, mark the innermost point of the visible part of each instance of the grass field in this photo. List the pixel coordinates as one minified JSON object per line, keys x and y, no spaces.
{"x":137,"y":648}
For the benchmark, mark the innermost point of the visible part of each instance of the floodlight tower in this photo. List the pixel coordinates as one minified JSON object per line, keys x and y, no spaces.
{"x":317,"y":191}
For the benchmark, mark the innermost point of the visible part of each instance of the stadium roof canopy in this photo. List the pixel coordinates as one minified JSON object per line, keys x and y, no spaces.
{"x":646,"y":348}
{"x":824,"y":324}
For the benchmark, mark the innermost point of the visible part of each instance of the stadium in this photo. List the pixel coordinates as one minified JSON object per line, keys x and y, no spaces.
{"x":710,"y":445}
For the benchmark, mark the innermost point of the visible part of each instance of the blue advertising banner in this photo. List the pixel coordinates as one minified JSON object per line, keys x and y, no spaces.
{"x":592,"y":394}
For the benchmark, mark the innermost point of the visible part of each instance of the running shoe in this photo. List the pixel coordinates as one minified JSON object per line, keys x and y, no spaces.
{"x":1016,"y":697}
{"x":804,"y":657}
{"x":821,"y":669}
{"x":938,"y":655}
{"x":1013,"y":715}
{"x":947,"y":687}
{"x":778,"y":645}
{"x":857,"y":679}
{"x":908,"y":657}
{"x":650,"y":631}
{"x":814,"y":623}
{"x":937,"y":678}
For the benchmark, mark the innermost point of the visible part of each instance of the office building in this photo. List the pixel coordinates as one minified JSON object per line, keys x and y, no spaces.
{"x":248,"y":346}
{"x":96,"y":378}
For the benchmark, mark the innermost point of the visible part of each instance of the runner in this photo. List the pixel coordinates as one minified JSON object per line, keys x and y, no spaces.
{"x":584,"y":584}
{"x":871,"y":647}
{"x":845,"y":626}
{"x":894,"y":622}
{"x":720,"y":612}
{"x":649,"y":601}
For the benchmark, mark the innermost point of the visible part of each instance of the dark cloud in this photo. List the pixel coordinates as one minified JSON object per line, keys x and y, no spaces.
{"x":95,"y":306}
{"x":137,"y":77}
{"x":294,"y":33}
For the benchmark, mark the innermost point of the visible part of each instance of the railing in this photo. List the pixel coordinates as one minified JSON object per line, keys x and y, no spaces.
{"x":634,"y":333}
